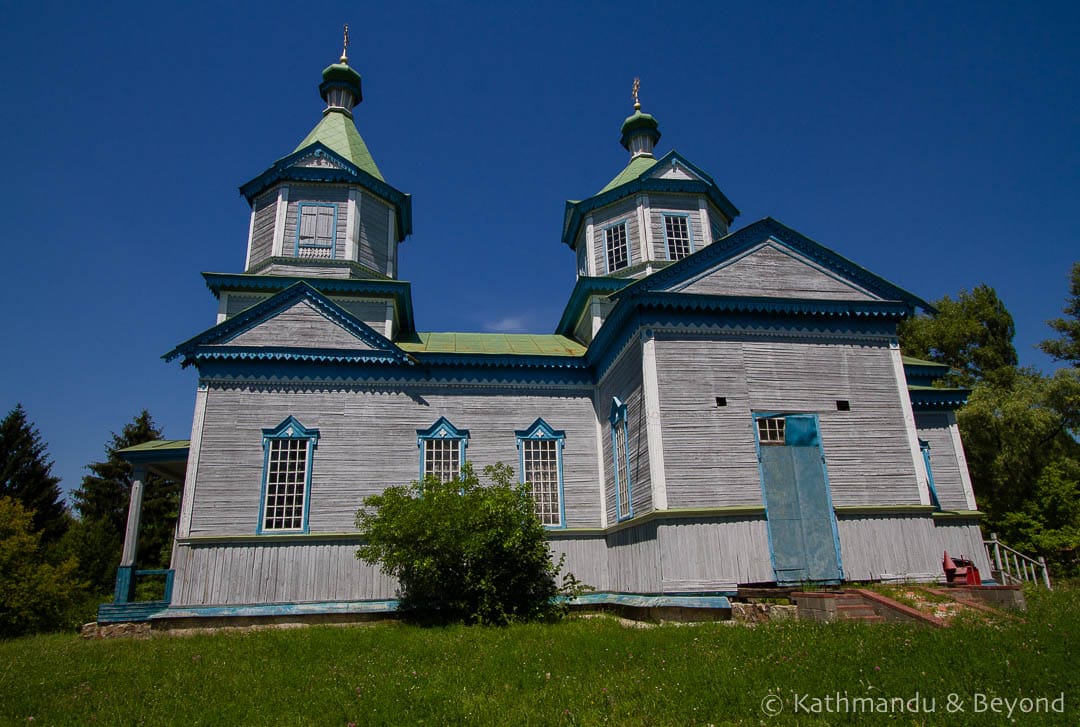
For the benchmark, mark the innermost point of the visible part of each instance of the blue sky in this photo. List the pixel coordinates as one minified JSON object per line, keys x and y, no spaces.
{"x":934,"y":143}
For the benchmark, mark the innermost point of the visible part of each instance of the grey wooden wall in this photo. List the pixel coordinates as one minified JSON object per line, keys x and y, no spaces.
{"x":300,"y":325}
{"x":770,"y":271}
{"x":337,"y":195}
{"x":710,"y":457}
{"x":669,"y":203}
{"x":713,"y":554}
{"x":933,"y":427}
{"x":623,"y":380}
{"x":373,"y":248}
{"x":262,"y":233}
{"x":368,"y":442}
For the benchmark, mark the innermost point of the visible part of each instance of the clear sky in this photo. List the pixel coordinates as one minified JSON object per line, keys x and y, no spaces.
{"x":937,"y":144}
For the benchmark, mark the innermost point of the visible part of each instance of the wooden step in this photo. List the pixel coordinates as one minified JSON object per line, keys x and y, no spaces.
{"x":854,"y":611}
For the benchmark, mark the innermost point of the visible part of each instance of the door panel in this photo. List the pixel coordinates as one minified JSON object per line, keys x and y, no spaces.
{"x":801,"y":522}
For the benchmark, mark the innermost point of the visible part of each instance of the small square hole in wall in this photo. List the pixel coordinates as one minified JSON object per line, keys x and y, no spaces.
{"x":721,"y":401}
{"x":843,"y":405}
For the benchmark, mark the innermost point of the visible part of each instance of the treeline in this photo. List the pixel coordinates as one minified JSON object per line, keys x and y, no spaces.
{"x":57,"y":565}
{"x":1020,"y":427}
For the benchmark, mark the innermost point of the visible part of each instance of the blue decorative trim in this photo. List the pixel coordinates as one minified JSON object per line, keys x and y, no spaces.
{"x":316,"y":246}
{"x":287,"y":353}
{"x":124,"y":592}
{"x":925,"y":374}
{"x":442,"y":429}
{"x":543,"y":431}
{"x":925,"y":447}
{"x":290,"y":428}
{"x":584,"y":290}
{"x":938,"y":399}
{"x":769,"y":230}
{"x":619,"y":430}
{"x":203,"y":344}
{"x":284,"y":169}
{"x":576,"y":211}
{"x":689,"y":233}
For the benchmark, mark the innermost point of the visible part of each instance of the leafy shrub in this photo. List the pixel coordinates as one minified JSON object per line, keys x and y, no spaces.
{"x":462,"y":551}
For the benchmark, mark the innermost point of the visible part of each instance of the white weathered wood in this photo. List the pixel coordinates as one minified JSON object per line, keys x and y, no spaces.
{"x":643,"y":217}
{"x":251,"y":238}
{"x":713,"y":553}
{"x":891,"y":547}
{"x":352,"y":233}
{"x":281,"y":212}
{"x":909,"y":421}
{"x":590,"y":246}
{"x":389,"y":331}
{"x":961,"y":460}
{"x":223,"y":307}
{"x":706,"y":228}
{"x":601,"y":462}
{"x":654,"y":430}
{"x":391,"y":242}
{"x":134,"y":515}
{"x":187,"y":498}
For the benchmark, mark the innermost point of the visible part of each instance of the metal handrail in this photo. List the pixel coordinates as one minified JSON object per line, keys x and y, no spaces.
{"x":1013,"y":567}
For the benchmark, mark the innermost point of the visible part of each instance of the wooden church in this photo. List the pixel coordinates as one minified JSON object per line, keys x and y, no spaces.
{"x":716,"y":407}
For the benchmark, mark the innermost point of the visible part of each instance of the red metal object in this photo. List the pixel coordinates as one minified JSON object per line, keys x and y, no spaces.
{"x":960,"y":568}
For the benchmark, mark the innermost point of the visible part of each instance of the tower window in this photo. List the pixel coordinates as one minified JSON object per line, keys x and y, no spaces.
{"x":618,"y":251}
{"x":315,"y":231}
{"x":677,"y":231}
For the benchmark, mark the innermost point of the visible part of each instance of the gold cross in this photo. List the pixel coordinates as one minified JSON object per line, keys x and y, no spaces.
{"x":345,"y":47}
{"x":637,"y":85}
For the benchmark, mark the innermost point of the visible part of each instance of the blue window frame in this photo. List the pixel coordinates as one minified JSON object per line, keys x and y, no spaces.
{"x":316,"y":230}
{"x":540,"y":458}
{"x":925,"y":447}
{"x":620,"y":455}
{"x":286,"y":488}
{"x":678,"y":236}
{"x":442,"y":450}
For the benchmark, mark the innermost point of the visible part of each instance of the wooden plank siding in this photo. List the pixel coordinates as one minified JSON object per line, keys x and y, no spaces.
{"x":262,"y":232}
{"x":586,"y":557}
{"x":710,"y":454}
{"x":317,"y":194}
{"x":373,"y":247}
{"x":623,"y":211}
{"x":768,"y":271}
{"x":371,"y":312}
{"x":698,"y":555}
{"x":887,"y":546}
{"x":962,"y":539}
{"x":633,"y":555}
{"x":275,"y":572}
{"x":303,"y":325}
{"x":235,"y":303}
{"x":623,"y":380}
{"x":368,"y":442}
{"x":933,"y":427}
{"x":661,"y":204}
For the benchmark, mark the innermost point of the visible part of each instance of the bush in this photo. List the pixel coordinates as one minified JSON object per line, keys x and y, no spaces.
{"x":462,"y":551}
{"x":34,"y":595}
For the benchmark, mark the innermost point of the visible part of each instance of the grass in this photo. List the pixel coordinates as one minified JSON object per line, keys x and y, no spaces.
{"x":582,"y":671}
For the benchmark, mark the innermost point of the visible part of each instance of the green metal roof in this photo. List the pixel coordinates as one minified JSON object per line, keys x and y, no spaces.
{"x":636,"y":167}
{"x":912,"y":361}
{"x":158,"y":445}
{"x":521,"y":344}
{"x":338,"y":132}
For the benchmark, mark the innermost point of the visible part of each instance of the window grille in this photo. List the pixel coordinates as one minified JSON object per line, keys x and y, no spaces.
{"x":286,"y":481}
{"x":770,"y":430}
{"x":678,"y":236}
{"x":442,"y":459}
{"x":618,"y":254}
{"x":541,"y":470}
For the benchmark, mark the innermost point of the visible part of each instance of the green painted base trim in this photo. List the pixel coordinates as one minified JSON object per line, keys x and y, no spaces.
{"x":734,"y":511}
{"x":884,"y":510}
{"x":959,"y":515}
{"x":204,"y":540}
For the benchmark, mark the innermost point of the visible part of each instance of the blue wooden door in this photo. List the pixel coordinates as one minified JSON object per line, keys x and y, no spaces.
{"x":802,"y":526}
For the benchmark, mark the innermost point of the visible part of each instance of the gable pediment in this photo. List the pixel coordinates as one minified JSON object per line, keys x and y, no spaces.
{"x":772,"y":270}
{"x":300,"y":324}
{"x":770,"y":260}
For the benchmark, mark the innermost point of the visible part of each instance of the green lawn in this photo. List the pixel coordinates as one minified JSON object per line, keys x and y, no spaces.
{"x":582,"y":671}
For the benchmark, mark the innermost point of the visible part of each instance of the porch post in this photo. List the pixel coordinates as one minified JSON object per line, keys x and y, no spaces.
{"x":125,"y":574}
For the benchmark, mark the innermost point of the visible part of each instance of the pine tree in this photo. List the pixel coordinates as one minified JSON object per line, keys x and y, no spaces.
{"x":26,"y":475}
{"x":1066,"y":347}
{"x":104,"y":496}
